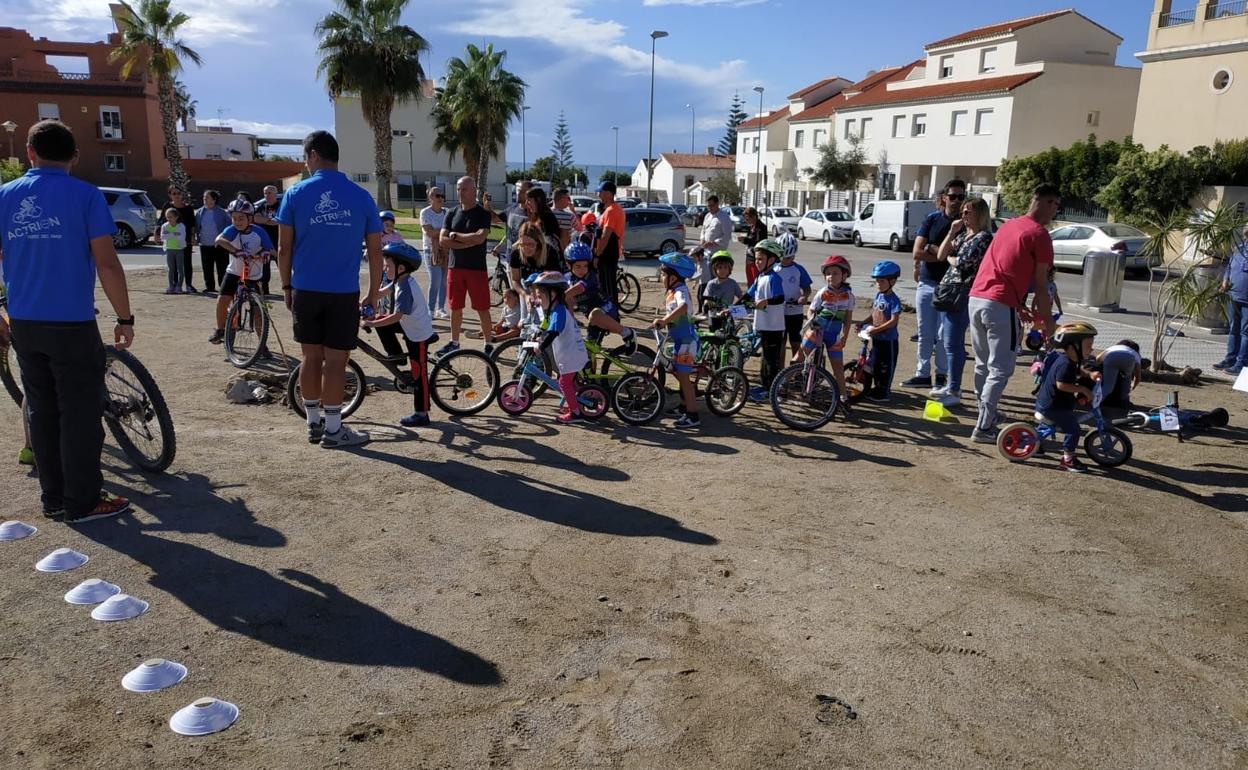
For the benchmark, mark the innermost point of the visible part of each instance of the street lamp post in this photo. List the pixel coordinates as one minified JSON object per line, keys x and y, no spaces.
{"x":524,"y":149}
{"x":693,"y":122}
{"x":654,"y":36}
{"x":10,"y":127}
{"x":758,"y":162}
{"x":615,"y":169}
{"x":411,"y":170}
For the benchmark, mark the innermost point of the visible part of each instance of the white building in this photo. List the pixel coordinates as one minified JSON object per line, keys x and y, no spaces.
{"x":215,"y":143}
{"x":676,"y":172}
{"x":413,"y":160}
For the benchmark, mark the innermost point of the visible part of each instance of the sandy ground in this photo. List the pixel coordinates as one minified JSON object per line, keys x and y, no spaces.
{"x":491,"y":592}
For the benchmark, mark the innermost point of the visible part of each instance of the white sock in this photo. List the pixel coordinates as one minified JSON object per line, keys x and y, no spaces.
{"x":333,"y":418}
{"x":313,"y":408}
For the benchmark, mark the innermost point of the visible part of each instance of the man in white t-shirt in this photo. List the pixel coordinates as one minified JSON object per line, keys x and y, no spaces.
{"x":715,"y":236}
{"x":432,"y":217}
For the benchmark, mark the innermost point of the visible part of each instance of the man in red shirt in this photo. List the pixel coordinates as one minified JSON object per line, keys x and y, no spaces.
{"x":609,"y":249}
{"x":1018,"y":259}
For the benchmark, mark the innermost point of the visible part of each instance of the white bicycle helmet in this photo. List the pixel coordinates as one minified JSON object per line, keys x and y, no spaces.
{"x":788,"y":245}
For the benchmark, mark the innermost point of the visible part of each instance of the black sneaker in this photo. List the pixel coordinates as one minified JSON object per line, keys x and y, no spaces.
{"x":217,"y":337}
{"x":917,"y":382}
{"x":488,"y":350}
{"x":914,"y":338}
{"x":54,"y":511}
{"x":630,"y":344}
{"x":878,"y":399}
{"x":109,"y":505}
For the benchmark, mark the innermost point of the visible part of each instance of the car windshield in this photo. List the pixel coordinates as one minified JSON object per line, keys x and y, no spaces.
{"x":783,"y":213}
{"x":838,"y":216}
{"x":1122,"y":231}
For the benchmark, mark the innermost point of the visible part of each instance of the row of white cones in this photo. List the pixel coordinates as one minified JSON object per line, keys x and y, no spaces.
{"x":201,"y":717}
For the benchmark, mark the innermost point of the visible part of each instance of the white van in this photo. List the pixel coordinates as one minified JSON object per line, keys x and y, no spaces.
{"x":893,"y":222}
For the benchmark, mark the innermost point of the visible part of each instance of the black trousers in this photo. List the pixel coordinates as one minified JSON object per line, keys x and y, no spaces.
{"x":186,"y":266}
{"x":265,"y":277}
{"x":63,"y":376}
{"x":418,"y":358}
{"x":608,"y":270}
{"x":885,"y":366}
{"x":773,"y":355}
{"x":214,"y":260}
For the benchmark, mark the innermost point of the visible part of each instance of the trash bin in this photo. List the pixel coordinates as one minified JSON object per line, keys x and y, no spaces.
{"x":1103,"y":272}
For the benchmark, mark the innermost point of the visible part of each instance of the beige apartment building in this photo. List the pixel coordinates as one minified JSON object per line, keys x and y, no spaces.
{"x":1194,"y":86}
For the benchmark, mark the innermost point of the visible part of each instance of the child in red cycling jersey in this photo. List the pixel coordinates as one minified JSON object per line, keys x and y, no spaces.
{"x":831,"y":313}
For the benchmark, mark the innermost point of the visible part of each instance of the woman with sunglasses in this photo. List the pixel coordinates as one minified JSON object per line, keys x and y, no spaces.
{"x":432,"y":217}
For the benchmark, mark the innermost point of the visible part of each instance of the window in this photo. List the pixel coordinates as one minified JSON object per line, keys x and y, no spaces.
{"x":363,"y":178}
{"x":918,"y":126}
{"x":799,"y":139}
{"x":866,"y":128}
{"x":745,"y":145}
{"x":1094,"y":118}
{"x":49,"y":112}
{"x":983,"y":122}
{"x":899,"y":126}
{"x":867,"y":212}
{"x":849,"y":128}
{"x":1222,"y":80}
{"x":961,"y":123}
{"x":114,"y":162}
{"x":946,"y":66}
{"x":756,"y":144}
{"x":821,"y":137}
{"x":110,"y":123}
{"x":988,"y":60}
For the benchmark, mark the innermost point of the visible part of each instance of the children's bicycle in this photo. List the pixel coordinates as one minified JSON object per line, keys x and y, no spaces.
{"x":516,"y":396}
{"x":638,"y":397}
{"x":629,"y":291}
{"x":1106,"y":445}
{"x":804,"y":395}
{"x":1184,"y":423}
{"x":460,"y":383}
{"x":604,"y":368}
{"x":246,"y":323}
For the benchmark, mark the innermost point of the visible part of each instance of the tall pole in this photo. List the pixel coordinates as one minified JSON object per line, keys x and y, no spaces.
{"x":693,"y":122}
{"x":654,"y":36}
{"x":758,"y":162}
{"x":411,"y":168}
{"x":524,"y":150}
{"x":615,"y":169}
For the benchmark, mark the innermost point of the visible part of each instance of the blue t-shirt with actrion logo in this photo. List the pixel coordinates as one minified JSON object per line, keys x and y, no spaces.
{"x":330,"y":215}
{"x":48,"y":220}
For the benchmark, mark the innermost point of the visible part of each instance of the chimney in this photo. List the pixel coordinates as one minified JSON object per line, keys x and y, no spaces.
{"x":710,"y":151}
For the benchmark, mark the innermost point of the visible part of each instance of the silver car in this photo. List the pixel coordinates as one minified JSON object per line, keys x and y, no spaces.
{"x":826,"y":225}
{"x":1072,"y":242}
{"x":653,"y":231}
{"x":134,"y":214}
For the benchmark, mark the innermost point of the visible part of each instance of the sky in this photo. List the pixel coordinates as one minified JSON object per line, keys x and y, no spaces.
{"x":588,"y":58}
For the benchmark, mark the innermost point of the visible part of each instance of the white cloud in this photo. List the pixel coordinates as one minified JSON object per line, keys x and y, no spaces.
{"x":238,"y":22}
{"x":733,"y":3}
{"x":261,"y":128}
{"x":563,"y":26}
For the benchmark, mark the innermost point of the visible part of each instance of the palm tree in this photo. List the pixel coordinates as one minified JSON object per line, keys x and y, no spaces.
{"x":482,"y":97}
{"x":149,"y":36}
{"x":446,"y":138}
{"x":365,"y":50}
{"x":186,"y":105}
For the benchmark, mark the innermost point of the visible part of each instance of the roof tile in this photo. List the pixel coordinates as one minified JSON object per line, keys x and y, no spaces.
{"x":878,"y":96}
{"x":1001,"y":28}
{"x":753,"y":123}
{"x":689,"y":160}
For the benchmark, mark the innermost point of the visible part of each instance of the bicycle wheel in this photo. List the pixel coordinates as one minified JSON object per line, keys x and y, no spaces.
{"x":593,"y":401}
{"x":136,"y":413}
{"x":726,"y":391}
{"x":510,"y":358}
{"x":637,"y":398}
{"x":626,"y":362}
{"x":246,"y":330}
{"x":1108,"y":448}
{"x":1017,"y":441}
{"x":731,"y":354}
{"x":514,"y":398}
{"x":498,"y":287}
{"x":804,"y":397}
{"x":353,"y":394}
{"x":9,"y":374}
{"x":630,"y":291}
{"x":463,"y":382}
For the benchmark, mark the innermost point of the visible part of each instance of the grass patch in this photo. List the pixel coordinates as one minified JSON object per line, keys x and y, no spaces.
{"x":412,"y":233}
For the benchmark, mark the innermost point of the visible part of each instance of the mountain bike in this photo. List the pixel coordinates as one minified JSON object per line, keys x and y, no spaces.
{"x":517,"y":395}
{"x":246,"y":323}
{"x":1106,"y":445}
{"x":460,"y":383}
{"x":638,"y":397}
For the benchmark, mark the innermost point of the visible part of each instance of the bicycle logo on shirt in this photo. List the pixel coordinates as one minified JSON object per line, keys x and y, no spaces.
{"x":27,"y":210}
{"x":327,"y":203}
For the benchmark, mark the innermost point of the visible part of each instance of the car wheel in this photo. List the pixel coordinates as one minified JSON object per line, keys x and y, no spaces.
{"x":858,"y":239}
{"x":774,"y":231}
{"x":827,"y":237}
{"x":668,"y":246}
{"x":123,"y":237}
{"x":894,"y":243}
{"x":801,"y":234}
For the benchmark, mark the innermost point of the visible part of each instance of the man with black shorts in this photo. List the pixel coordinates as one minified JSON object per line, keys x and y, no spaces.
{"x":321,"y":223}
{"x":464,"y":232}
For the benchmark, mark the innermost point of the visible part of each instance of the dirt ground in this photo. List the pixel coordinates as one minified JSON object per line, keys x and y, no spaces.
{"x":494,"y":592}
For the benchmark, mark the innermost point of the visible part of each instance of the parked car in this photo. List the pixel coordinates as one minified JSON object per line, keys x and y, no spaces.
{"x":656,"y":206}
{"x":1071,"y":243}
{"x":826,"y":225}
{"x":778,"y":219}
{"x":891,"y":222}
{"x":680,"y":209}
{"x":628,"y":203}
{"x":583,"y":203}
{"x":737,"y":215}
{"x":134,"y":214}
{"x":693,"y":215}
{"x":653,"y":231}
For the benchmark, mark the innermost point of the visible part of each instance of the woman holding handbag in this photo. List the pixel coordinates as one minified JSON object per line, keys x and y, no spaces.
{"x":964,"y":247}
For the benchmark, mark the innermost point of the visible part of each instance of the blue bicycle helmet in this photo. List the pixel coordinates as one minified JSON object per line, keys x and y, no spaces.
{"x":788,"y":244}
{"x":403,"y":254}
{"x":680,"y":264}
{"x":387,"y":215}
{"x":578,"y":252}
{"x":886,"y":269}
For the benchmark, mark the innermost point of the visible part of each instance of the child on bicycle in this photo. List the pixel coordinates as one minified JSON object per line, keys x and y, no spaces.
{"x":561,"y":336}
{"x":767,"y":294}
{"x":885,"y":315}
{"x":721,"y":291}
{"x":249,"y":248}
{"x":509,"y":325}
{"x":676,"y":268}
{"x":585,"y":295}
{"x":411,"y":315}
{"x":1060,"y":388}
{"x":831,"y":313}
{"x":388,"y":232}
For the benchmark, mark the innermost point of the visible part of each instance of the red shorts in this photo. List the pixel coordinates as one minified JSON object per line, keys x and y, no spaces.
{"x":474,"y":283}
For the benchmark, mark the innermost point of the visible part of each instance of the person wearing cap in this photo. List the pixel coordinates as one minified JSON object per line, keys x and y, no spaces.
{"x":609,"y":249}
{"x":432,"y":217}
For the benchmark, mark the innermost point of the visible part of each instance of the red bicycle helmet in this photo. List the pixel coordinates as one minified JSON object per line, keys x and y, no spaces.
{"x":588,"y":219}
{"x":836,"y":260}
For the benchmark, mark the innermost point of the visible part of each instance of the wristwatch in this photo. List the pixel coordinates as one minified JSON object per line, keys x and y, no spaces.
{"x":125,"y":321}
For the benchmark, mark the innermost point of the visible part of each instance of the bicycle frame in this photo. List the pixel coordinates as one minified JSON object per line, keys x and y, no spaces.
{"x":533,"y":371}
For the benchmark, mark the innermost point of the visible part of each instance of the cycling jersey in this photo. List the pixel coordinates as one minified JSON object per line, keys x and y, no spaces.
{"x":832,"y":303}
{"x":682,"y":329}
{"x":795,"y":280}
{"x":591,"y":297}
{"x":768,"y":286}
{"x":568,"y":348}
{"x":409,"y":300}
{"x":330,"y":215}
{"x":254,"y":242}
{"x":885,"y":306}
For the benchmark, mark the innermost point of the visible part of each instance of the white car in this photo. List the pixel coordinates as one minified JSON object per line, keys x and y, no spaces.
{"x":827,"y":225}
{"x":779,"y":219}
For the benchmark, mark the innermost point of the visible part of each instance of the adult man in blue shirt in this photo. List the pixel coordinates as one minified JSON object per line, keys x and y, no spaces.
{"x":322,"y":222}
{"x":926,"y":248}
{"x":56,"y":233}
{"x":1235,"y":284}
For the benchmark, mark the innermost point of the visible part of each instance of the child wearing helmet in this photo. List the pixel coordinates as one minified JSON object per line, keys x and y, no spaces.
{"x":388,"y":232}
{"x":1060,"y":388}
{"x":721,"y":291}
{"x":831,"y":313}
{"x":676,"y":268}
{"x":885,"y":315}
{"x":797,"y":285}
{"x":411,"y":316}
{"x":561,"y":336}
{"x":767,"y":294}
{"x":586,"y":296}
{"x":248,"y":248}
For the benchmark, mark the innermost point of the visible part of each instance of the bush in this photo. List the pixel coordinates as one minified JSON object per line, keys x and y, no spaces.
{"x":10,"y":169}
{"x":1080,"y":171}
{"x":725,"y":186}
{"x":1150,"y":186}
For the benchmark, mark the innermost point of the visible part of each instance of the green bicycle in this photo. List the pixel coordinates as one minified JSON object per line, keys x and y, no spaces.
{"x":604,"y":368}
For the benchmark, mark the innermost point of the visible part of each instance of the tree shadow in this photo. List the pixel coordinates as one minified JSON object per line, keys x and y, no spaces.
{"x":547,"y":502}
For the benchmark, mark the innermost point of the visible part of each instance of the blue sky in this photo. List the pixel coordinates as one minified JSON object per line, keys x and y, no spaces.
{"x":590,"y":59}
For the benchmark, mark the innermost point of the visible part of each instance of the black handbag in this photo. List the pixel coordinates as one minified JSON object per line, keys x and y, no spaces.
{"x":953,"y":292}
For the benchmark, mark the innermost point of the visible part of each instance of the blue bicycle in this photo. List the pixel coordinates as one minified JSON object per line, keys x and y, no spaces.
{"x":1106,"y":445}
{"x":516,"y":396}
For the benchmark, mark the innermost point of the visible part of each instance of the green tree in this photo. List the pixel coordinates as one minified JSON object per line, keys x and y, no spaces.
{"x":728,"y":145}
{"x":839,"y":169}
{"x":725,"y":186}
{"x":186,"y":106}
{"x":1080,"y":171}
{"x":561,"y":148}
{"x":482,"y":96}
{"x":149,"y":36}
{"x":621,"y":178}
{"x":10,"y":169}
{"x":456,"y":140}
{"x":279,"y":158}
{"x":1148,"y":187}
{"x":364,"y":50}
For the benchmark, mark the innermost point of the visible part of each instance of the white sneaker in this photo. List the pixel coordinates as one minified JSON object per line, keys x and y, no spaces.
{"x":950,"y":398}
{"x":936,"y":393}
{"x":345,"y":437}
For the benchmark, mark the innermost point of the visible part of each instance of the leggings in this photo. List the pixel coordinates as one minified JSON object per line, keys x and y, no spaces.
{"x":773,"y":355}
{"x":567,"y":386}
{"x":418,"y":359}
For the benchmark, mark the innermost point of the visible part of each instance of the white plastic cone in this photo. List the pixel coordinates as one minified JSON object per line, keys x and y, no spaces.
{"x":119,"y":607}
{"x":154,"y":674}
{"x":61,"y":560}
{"x":16,"y":530}
{"x":91,"y":591}
{"x":204,"y":716}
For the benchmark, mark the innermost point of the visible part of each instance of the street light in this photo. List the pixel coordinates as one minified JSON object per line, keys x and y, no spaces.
{"x":693,"y":121}
{"x":10,"y":127}
{"x":524,"y":149}
{"x":758,"y":162}
{"x":615,"y":169}
{"x":411,"y":170}
{"x":654,"y":36}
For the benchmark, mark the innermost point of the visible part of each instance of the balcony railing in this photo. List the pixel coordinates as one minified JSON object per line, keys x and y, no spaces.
{"x":1226,"y":8}
{"x":8,"y":72}
{"x":1177,"y":18}
{"x":113,"y":132}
